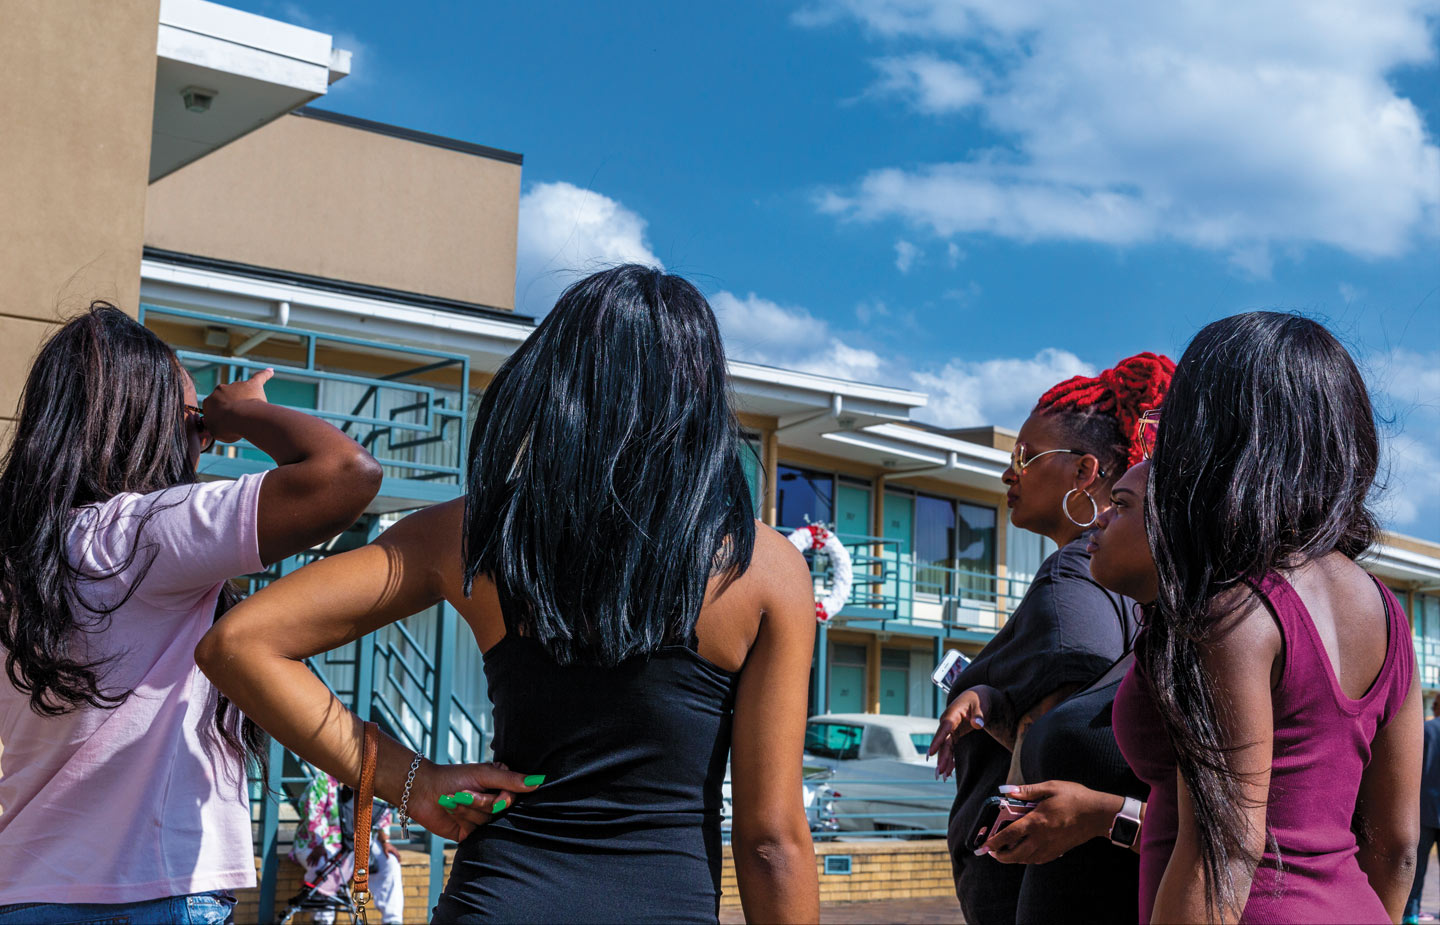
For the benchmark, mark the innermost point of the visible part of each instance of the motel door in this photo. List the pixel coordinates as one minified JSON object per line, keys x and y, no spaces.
{"x":895,"y":681}
{"x":900,"y":527}
{"x":847,"y":679}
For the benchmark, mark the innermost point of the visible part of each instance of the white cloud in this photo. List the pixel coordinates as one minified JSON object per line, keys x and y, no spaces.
{"x":840,"y":359}
{"x":1253,"y":260}
{"x":930,"y":84}
{"x":865,"y":312}
{"x":998,"y":391}
{"x":953,"y":254}
{"x":756,"y":328}
{"x":1229,"y":127}
{"x":965,"y":294}
{"x":761,"y":331}
{"x":905,"y":255}
{"x":566,"y":233}
{"x":1406,"y":387}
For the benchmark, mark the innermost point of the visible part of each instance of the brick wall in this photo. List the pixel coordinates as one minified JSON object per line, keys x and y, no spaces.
{"x":879,"y":869}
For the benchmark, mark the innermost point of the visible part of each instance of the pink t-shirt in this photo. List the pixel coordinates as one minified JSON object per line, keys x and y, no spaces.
{"x":142,"y":801}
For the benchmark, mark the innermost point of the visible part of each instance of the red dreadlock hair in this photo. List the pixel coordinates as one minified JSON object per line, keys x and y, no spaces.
{"x":1121,"y":395}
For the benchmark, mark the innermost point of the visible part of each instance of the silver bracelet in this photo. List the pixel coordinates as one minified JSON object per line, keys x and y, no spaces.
{"x":405,"y":797}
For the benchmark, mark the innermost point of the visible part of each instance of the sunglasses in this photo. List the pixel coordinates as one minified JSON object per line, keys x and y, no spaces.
{"x":197,"y":415}
{"x":1020,"y":460}
{"x":1147,"y":429}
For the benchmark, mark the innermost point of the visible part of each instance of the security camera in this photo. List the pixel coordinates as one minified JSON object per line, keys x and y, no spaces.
{"x":198,"y":99}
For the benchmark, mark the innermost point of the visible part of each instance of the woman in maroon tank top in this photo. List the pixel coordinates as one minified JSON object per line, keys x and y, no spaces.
{"x":1273,"y":708}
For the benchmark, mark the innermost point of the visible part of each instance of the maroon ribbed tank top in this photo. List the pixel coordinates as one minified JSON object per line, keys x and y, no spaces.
{"x":1322,"y":746}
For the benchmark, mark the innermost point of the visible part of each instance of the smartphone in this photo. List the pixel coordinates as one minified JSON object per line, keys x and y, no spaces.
{"x":949,"y":669}
{"x":995,"y":815}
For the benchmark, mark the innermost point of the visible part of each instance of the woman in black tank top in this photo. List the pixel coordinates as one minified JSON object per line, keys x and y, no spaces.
{"x":635,"y":623}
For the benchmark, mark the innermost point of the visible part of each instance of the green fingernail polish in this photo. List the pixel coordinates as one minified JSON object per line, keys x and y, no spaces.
{"x":499,"y":806}
{"x":446,"y":801}
{"x":466,"y":798}
{"x":534,"y":780}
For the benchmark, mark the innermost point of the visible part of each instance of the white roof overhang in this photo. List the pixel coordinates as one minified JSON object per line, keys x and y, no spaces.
{"x":253,"y":69}
{"x":806,"y":406}
{"x":487,"y":340}
{"x":1403,"y":565}
{"x":908,"y":451}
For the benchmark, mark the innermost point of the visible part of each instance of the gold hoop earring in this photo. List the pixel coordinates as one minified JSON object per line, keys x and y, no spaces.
{"x":1094,"y":508}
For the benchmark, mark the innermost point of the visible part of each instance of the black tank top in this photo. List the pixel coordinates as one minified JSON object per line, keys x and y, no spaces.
{"x":1096,"y":881}
{"x":626,"y":826}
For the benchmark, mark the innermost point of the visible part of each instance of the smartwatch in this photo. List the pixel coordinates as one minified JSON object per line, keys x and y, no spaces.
{"x":1126,"y":827}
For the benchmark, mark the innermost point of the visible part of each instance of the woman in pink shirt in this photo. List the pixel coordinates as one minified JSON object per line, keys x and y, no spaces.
{"x":122,"y":774}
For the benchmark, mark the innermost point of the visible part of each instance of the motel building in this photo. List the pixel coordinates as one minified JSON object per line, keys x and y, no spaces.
{"x":178,"y":169}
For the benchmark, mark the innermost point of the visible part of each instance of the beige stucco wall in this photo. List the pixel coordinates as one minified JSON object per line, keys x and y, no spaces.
{"x":344,"y":203}
{"x":79,"y":87}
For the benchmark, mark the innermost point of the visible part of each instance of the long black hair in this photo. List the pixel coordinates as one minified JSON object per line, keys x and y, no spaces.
{"x":1266,"y":453}
{"x":605,"y":485}
{"x":102,"y":414}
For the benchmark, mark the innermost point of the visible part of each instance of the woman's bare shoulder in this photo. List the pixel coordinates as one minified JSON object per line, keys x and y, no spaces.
{"x":775,"y":560}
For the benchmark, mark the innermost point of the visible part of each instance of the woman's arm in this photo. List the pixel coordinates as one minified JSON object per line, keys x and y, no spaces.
{"x":986,"y":707}
{"x":1067,"y":816}
{"x":1389,"y":825}
{"x":1239,"y":661}
{"x":324,"y":479}
{"x":256,"y":652}
{"x":774,"y":857}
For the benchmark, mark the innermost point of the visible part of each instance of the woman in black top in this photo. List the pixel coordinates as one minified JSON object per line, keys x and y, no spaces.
{"x":1073,"y":871}
{"x":1068,"y":629}
{"x":637,"y":626}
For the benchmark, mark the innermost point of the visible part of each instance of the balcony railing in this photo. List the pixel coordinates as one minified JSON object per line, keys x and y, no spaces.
{"x":1427,"y":655}
{"x":892,"y":589}
{"x":409,"y":406}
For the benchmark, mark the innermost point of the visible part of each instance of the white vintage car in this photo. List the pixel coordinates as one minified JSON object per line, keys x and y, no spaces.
{"x":875,"y":772}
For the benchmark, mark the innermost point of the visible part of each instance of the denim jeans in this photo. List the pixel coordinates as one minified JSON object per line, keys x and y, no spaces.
{"x":1422,"y":860}
{"x":216,"y":908}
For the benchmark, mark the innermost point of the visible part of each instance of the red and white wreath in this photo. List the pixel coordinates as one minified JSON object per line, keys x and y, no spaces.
{"x":842,"y":573}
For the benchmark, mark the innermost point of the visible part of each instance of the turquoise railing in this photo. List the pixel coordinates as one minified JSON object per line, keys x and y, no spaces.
{"x":413,"y":425}
{"x":891,"y":589}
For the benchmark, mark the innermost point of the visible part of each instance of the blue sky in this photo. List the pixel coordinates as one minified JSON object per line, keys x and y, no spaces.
{"x":971,"y":197}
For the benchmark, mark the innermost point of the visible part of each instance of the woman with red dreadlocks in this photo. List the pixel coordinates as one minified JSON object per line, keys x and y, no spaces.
{"x":1067,"y":631}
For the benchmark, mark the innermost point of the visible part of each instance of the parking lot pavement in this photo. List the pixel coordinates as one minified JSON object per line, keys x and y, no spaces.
{"x":918,"y":911}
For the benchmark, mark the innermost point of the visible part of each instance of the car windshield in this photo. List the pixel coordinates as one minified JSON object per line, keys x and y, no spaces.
{"x":921,"y":741}
{"x":833,"y":740}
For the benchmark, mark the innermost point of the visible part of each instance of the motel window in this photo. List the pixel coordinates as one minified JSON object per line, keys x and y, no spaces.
{"x":839,"y":501}
{"x":934,"y":544}
{"x":804,"y":496}
{"x":953,"y":543}
{"x":1425,"y":612}
{"x":975,"y":550}
{"x":1024,"y":551}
